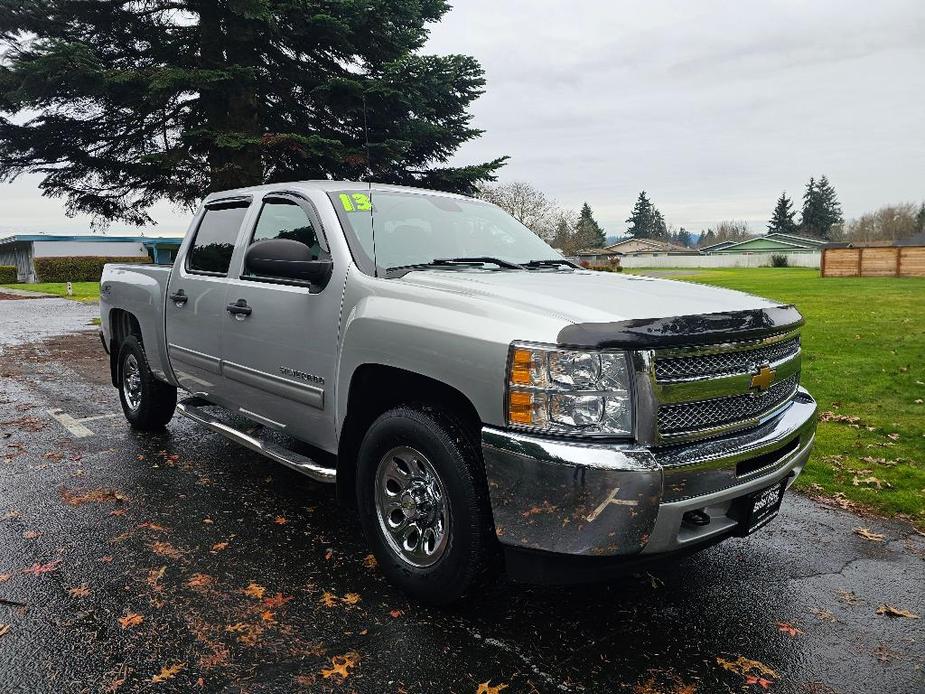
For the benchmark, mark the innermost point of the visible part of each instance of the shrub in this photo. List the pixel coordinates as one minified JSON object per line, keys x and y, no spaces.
{"x":778,"y":260}
{"x":77,"y":268}
{"x":7,"y":274}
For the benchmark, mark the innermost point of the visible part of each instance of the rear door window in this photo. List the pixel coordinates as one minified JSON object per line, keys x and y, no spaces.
{"x":215,"y":238}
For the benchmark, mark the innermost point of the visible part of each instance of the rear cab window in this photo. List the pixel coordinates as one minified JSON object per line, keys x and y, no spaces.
{"x":213,"y":245}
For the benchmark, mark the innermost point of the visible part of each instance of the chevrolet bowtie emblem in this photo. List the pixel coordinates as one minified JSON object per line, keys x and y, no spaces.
{"x":762,"y":380}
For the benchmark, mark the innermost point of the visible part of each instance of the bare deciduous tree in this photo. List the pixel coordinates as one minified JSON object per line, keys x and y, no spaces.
{"x":889,"y":223}
{"x":527,"y":204}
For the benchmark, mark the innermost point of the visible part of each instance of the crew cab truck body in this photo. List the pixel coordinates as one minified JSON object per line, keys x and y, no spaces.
{"x":464,"y":386}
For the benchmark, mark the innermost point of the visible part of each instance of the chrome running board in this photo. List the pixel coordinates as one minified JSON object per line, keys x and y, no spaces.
{"x":192,"y":408}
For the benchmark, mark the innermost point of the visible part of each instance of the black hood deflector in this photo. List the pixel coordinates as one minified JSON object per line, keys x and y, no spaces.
{"x":681,"y":331}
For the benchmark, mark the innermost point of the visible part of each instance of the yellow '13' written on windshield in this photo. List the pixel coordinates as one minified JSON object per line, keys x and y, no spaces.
{"x":356,"y":202}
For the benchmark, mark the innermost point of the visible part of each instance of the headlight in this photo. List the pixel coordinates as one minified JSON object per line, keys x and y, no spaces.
{"x":568,"y":391}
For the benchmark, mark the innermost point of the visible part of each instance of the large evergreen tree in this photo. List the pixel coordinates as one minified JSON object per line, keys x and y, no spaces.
{"x":119,"y":104}
{"x":645,"y":221}
{"x":821,"y":209}
{"x":782,"y":221}
{"x":588,"y":232}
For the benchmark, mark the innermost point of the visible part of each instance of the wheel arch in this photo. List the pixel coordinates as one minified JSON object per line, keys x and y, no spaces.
{"x":122,"y":324}
{"x":376,"y":388}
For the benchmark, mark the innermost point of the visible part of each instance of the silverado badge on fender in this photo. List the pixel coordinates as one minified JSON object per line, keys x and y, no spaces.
{"x":762,"y":380}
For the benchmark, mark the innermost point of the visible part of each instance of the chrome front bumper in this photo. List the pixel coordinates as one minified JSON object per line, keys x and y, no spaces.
{"x":595,"y":499}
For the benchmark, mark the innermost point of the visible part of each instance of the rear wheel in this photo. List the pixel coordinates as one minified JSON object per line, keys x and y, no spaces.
{"x":423,"y":503}
{"x":148,"y":403}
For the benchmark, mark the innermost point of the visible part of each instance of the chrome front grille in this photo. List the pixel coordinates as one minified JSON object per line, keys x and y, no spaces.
{"x":725,"y":362}
{"x":711,"y":390}
{"x":706,"y":414}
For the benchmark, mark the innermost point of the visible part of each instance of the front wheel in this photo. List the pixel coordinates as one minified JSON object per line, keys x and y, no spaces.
{"x":423,"y":503}
{"x":148,"y":403}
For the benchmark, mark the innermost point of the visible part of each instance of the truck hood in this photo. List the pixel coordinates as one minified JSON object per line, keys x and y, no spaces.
{"x":587,"y":296}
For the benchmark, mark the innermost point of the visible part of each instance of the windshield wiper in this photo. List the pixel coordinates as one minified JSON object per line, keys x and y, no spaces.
{"x":450,"y":262}
{"x":549,"y":262}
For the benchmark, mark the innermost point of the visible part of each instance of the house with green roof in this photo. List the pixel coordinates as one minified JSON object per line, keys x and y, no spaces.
{"x":769,"y":243}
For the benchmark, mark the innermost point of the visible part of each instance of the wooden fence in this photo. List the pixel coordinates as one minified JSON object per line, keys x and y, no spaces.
{"x":893,"y":261}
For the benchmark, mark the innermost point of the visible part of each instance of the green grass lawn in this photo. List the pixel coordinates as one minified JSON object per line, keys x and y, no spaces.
{"x":83,"y":291}
{"x":864,"y":358}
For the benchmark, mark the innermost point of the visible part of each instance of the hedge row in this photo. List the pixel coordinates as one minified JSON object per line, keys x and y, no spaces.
{"x":7,"y":274}
{"x":77,"y":269}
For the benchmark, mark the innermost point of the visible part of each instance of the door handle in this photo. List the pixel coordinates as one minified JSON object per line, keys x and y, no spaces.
{"x":239,"y":308}
{"x":179,"y":297}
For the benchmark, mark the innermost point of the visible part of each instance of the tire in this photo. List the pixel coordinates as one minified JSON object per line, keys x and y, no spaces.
{"x":446,"y":476}
{"x":148,"y":403}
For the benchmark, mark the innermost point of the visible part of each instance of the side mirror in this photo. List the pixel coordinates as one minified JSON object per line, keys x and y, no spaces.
{"x":286,"y":259}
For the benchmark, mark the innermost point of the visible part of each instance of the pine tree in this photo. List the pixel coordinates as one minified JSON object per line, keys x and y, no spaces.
{"x":831,"y":208}
{"x":782,"y":219}
{"x":920,"y":219}
{"x":588,"y":232}
{"x":119,"y":105}
{"x":821,"y":209}
{"x":685,"y":238}
{"x":646,"y":221}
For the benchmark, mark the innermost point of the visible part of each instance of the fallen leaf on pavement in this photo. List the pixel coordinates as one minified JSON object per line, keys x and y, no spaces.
{"x":280,"y":520}
{"x":255,"y":590}
{"x":823,"y":615}
{"x":117,"y":512}
{"x":199,"y":581}
{"x":98,"y":496}
{"x":155,"y":575}
{"x":395,"y":614}
{"x":132,"y":619}
{"x":891,"y":611}
{"x":788,"y":629}
{"x":328,"y":599}
{"x":165,"y":549}
{"x":4,"y":629}
{"x":248,"y":634}
{"x":352,"y":598}
{"x":369,"y":561}
{"x":869,"y":534}
{"x":219,"y":546}
{"x":31,"y":535}
{"x":268,"y":616}
{"x":153,"y":526}
{"x":849,"y":597}
{"x":340,"y":666}
{"x":760,"y":681}
{"x":38,"y":569}
{"x":489,"y":688}
{"x":885,"y":654}
{"x":276,"y":601}
{"x":79,"y":591}
{"x":748,"y":668}
{"x":168,"y":672}
{"x":5,"y":577}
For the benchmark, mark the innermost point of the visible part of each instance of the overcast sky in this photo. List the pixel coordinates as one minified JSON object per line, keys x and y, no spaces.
{"x":713,"y":108}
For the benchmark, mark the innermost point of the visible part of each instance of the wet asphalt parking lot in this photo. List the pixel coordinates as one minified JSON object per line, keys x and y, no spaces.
{"x":182,"y":562}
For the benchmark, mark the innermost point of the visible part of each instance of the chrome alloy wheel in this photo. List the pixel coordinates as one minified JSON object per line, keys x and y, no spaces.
{"x":411,"y":507}
{"x":131,"y":382}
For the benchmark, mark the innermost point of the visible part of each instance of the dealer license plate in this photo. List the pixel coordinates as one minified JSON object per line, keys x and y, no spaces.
{"x":761,"y":507}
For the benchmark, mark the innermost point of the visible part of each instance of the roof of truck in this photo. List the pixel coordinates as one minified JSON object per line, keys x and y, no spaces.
{"x":326,"y":186}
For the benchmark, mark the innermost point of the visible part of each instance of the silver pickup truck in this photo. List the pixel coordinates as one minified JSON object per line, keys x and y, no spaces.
{"x":477,"y":399}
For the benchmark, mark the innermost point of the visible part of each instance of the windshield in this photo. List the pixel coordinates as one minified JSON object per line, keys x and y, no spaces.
{"x":413,"y":228}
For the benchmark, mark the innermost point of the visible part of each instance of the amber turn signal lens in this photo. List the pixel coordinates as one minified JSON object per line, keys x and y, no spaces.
{"x":521,"y":366}
{"x":520,"y":407}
